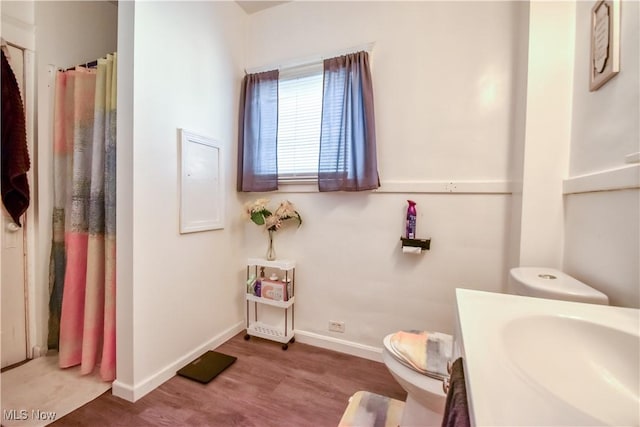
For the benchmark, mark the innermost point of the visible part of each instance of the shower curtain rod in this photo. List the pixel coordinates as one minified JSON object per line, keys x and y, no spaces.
{"x":86,"y":65}
{"x":90,"y":64}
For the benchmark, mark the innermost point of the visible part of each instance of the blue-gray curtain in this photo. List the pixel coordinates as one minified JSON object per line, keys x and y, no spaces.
{"x":258,"y":132}
{"x":348,"y":160}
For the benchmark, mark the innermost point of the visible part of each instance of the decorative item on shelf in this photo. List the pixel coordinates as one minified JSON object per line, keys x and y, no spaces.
{"x":260,"y":214}
{"x":271,"y":251}
{"x":273,"y":290}
{"x":410,"y":244}
{"x":411,"y":220}
{"x":251,"y":283}
{"x":287,"y":281}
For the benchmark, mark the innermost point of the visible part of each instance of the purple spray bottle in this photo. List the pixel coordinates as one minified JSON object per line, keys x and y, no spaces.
{"x":411,"y":220}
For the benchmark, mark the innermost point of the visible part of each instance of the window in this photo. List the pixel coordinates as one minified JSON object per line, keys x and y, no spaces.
{"x":299,"y":118}
{"x":325,"y":124}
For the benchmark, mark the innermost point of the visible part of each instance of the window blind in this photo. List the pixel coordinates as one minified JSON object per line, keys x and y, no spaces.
{"x":299,"y":118}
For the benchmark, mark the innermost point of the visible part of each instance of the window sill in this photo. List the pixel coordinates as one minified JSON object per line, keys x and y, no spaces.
{"x":298,"y":186}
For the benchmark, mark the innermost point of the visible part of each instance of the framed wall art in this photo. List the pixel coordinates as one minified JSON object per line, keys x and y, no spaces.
{"x":201,"y":183}
{"x":604,"y":61}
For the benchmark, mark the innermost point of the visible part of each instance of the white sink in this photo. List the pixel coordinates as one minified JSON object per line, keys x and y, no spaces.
{"x":594,"y":368}
{"x":531,"y":361}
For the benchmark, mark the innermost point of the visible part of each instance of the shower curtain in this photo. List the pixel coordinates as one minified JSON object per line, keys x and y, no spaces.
{"x":82,"y":279}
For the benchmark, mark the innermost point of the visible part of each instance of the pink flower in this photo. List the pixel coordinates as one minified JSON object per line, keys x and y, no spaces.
{"x":273,"y":222}
{"x":258,"y":212}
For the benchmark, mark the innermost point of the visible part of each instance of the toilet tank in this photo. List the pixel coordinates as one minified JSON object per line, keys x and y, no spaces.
{"x":550,"y":283}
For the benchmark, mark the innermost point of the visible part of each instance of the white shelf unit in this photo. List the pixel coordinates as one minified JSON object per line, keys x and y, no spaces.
{"x":255,"y":328}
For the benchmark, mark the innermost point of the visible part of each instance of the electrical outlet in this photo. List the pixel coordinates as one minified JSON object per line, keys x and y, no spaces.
{"x":336,"y":326}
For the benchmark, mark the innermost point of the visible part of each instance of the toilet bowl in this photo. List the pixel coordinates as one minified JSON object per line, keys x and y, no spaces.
{"x":425,"y":395}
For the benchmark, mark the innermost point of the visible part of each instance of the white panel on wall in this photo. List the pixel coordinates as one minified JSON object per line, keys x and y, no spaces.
{"x":201,"y":183}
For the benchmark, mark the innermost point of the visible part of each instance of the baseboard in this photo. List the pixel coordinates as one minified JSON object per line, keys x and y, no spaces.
{"x":342,"y":346}
{"x":123,"y":391}
{"x":136,"y":391}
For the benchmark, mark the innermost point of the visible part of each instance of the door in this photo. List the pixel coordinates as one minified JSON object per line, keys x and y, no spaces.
{"x":13,"y":287}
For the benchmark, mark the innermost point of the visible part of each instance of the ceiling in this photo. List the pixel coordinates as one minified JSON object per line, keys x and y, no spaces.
{"x":256,"y":6}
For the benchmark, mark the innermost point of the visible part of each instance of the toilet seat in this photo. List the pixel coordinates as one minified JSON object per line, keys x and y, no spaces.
{"x":408,"y":374}
{"x":425,"y":395}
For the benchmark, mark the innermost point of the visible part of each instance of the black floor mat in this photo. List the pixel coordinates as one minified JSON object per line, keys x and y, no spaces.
{"x":207,"y":367}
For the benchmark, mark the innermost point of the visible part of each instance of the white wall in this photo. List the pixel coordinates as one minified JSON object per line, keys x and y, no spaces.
{"x":602,"y":238}
{"x":182,"y":293}
{"x":602,"y":242}
{"x":605,"y":122}
{"x":519,"y":132}
{"x":444,"y":76}
{"x":18,"y":23}
{"x":124,"y":203}
{"x":548,"y":132}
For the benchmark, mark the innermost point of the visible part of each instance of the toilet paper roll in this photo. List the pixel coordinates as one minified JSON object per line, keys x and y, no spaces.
{"x":411,"y":250}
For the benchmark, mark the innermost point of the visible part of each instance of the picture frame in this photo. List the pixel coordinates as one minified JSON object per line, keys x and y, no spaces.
{"x":202,"y":191}
{"x":604,"y":62}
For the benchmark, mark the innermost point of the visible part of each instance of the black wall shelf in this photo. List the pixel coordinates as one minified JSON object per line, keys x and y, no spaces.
{"x":424,"y":244}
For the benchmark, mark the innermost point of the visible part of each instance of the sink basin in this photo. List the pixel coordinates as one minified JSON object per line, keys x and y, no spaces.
{"x":590,"y":366}
{"x":540,"y":362}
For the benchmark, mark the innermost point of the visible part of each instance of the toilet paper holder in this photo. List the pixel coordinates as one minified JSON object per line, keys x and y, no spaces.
{"x":422,"y":244}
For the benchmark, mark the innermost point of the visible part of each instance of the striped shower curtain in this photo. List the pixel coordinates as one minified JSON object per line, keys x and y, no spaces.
{"x":82,"y":279}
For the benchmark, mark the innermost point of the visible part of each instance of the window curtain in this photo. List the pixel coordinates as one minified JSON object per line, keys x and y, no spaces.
{"x":82,"y":279}
{"x":257,"y":145}
{"x":348,"y":160}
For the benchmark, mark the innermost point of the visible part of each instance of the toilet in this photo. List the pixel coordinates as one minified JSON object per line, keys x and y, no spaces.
{"x":426,"y":396}
{"x":550,"y":283}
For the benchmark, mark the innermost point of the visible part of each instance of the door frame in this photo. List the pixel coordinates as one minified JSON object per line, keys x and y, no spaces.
{"x":34,"y":327}
{"x":21,"y":35}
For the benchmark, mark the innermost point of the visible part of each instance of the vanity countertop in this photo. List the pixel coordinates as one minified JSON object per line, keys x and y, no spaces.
{"x":533,"y":361}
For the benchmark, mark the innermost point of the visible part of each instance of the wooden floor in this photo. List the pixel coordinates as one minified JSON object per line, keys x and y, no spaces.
{"x":266,"y":386}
